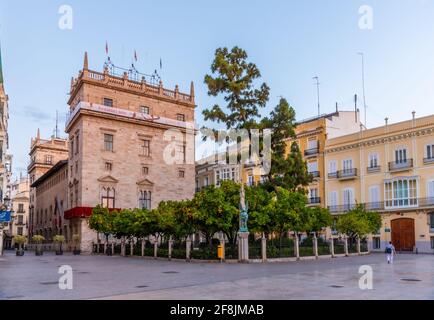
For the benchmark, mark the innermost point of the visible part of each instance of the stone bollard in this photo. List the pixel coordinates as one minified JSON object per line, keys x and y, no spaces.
{"x":315,"y":246}
{"x":97,"y":247}
{"x":297,"y":247}
{"x":264,"y":249}
{"x":346,"y":246}
{"x":113,"y":248}
{"x":332,"y":247}
{"x":170,"y":249}
{"x":155,"y":249}
{"x":188,"y":249}
{"x":105,"y":247}
{"x":143,"y":247}
{"x":123,"y":247}
{"x":359,"y":251}
{"x":131,"y":247}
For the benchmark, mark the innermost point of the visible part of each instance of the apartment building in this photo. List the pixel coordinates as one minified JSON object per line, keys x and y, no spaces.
{"x":389,"y":169}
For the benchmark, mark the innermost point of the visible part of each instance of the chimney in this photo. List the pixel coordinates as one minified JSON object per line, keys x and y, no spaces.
{"x":414,"y":118}
{"x":86,"y":62}
{"x":192,"y":91}
{"x":386,"y":121}
{"x":337,"y":108}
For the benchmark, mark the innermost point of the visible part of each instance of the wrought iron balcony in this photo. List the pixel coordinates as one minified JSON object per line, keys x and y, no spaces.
{"x":347,"y":174}
{"x":428,"y":160}
{"x":373,"y":169}
{"x":315,"y":174}
{"x":332,"y":175}
{"x":311,"y":152}
{"x":314,"y":200}
{"x":404,"y":165}
{"x":390,"y":205}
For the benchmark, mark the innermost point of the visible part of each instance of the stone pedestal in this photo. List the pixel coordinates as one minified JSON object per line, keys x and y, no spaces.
{"x":143,"y":247}
{"x":188,"y":249}
{"x":243,"y":247}
{"x":264,"y":249}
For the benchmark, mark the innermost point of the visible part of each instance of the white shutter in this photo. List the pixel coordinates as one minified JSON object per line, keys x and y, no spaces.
{"x":312,"y":144}
{"x":430,"y":192}
{"x":349,"y":200}
{"x":333,"y":199}
{"x":374,"y":197}
{"x":332,"y":167}
{"x":374,"y":194}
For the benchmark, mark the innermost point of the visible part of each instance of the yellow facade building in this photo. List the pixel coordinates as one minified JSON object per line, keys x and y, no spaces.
{"x":312,"y":135}
{"x":389,"y":169}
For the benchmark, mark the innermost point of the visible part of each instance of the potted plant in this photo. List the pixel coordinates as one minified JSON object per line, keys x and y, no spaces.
{"x":38,"y":240}
{"x":59,"y":240}
{"x":20,"y":240}
{"x":76,"y":240}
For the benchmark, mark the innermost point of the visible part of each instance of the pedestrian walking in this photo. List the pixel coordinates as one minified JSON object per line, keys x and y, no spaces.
{"x":390,"y":252}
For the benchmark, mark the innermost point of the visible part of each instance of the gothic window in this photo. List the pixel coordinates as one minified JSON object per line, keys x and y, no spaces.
{"x":145,"y":199}
{"x":108,"y":197}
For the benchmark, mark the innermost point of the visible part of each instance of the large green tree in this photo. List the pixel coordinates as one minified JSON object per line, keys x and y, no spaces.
{"x":217,"y":210}
{"x":261,"y":210}
{"x":233,"y":78}
{"x":358,"y":223}
{"x":288,"y":170}
{"x":102,"y":221}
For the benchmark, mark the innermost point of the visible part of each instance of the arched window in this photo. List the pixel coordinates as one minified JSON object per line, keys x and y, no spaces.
{"x":108,"y":197}
{"x":145,"y":199}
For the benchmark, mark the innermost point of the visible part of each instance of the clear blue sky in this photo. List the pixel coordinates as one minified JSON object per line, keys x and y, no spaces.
{"x":290,"y":41}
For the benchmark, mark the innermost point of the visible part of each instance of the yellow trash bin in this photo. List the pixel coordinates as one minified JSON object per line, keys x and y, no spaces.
{"x":220,"y":252}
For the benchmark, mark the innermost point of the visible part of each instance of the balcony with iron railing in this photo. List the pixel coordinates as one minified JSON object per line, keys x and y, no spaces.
{"x":346,"y":174}
{"x":388,"y":205}
{"x":311,"y":152}
{"x":373,"y":169}
{"x":314,"y":201}
{"x":403,"y":165}
{"x":315,"y":174}
{"x":429,"y":160}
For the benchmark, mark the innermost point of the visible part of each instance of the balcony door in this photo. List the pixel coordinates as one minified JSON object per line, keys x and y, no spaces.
{"x":347,"y":166}
{"x":401,"y":156}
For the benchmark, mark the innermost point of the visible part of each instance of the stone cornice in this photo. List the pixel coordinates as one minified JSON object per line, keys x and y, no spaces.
{"x":381,"y":140}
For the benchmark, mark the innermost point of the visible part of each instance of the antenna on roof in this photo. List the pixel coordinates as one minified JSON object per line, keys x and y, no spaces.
{"x":317,"y":89}
{"x":56,"y":130}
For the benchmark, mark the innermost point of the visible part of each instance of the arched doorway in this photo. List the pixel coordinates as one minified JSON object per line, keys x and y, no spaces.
{"x":403,"y":235}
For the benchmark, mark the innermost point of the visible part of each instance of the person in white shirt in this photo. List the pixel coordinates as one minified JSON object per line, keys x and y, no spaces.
{"x":390,"y":252}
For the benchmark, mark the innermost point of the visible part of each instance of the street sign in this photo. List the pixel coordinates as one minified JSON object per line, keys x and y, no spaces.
{"x":5,"y":216}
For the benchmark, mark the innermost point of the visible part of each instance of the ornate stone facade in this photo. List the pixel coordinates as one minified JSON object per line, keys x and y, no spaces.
{"x":131,"y":145}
